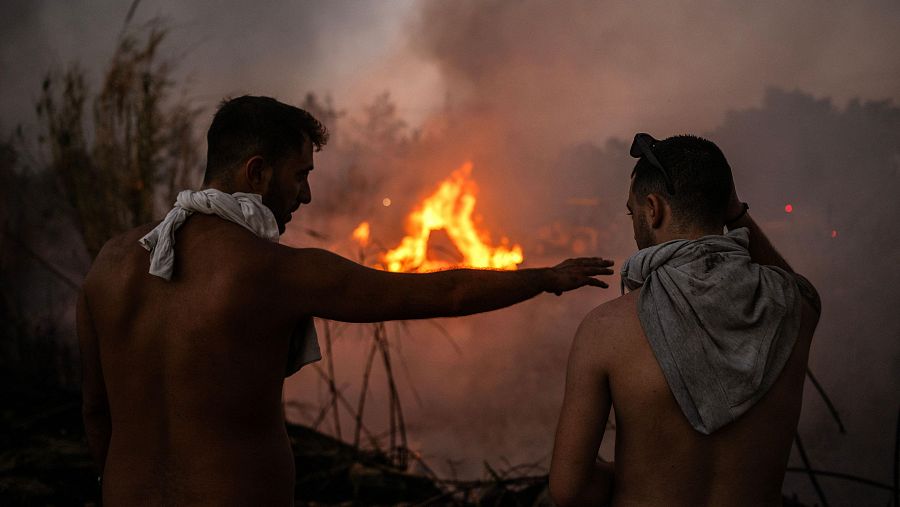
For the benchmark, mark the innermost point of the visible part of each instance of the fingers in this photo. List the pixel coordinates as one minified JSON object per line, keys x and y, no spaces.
{"x":587,"y":281}
{"x":580,"y":271}
{"x":597,"y":283}
{"x":586,"y":262}
{"x":591,"y":261}
{"x":590,"y":266}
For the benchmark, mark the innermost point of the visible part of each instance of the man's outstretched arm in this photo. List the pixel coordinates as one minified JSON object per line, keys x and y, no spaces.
{"x":95,"y":406}
{"x":577,"y":475}
{"x":326,"y":285}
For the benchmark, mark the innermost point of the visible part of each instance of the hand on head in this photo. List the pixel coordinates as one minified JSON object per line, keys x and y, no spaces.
{"x":735,"y":206}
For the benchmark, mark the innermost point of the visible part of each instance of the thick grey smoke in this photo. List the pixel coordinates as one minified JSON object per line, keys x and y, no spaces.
{"x":837,"y":166}
{"x":583,"y":70}
{"x":545,"y":96}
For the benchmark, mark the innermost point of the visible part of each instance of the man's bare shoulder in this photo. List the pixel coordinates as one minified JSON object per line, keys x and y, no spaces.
{"x":615,"y":314}
{"x":199,"y":231}
{"x":116,"y":249}
{"x":313,"y":262}
{"x":608,"y":330}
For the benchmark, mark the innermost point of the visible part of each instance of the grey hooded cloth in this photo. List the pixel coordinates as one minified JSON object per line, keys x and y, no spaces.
{"x":721,"y":326}
{"x":246,"y":210}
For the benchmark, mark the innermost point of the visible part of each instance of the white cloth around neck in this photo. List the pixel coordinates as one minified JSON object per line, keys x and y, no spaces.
{"x":246,"y":210}
{"x":243,"y":209}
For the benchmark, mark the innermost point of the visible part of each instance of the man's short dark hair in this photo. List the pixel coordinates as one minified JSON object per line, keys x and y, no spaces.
{"x":247,"y":126}
{"x":701,"y":179}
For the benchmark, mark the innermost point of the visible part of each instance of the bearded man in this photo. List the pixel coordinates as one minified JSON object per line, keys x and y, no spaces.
{"x":188,"y":326}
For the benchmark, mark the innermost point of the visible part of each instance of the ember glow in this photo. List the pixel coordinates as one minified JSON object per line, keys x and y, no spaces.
{"x":448,"y":208}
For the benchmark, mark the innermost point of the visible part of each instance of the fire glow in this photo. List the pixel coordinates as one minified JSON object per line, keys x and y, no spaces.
{"x":361,"y":234}
{"x":449,"y":208}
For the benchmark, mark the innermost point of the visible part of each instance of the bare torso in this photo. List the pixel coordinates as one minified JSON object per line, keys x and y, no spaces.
{"x":182,"y":379}
{"x":193,"y":369}
{"x":661,"y":460}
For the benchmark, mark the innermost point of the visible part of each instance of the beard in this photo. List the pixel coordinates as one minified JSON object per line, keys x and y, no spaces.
{"x":643,"y":235}
{"x":271,"y":201}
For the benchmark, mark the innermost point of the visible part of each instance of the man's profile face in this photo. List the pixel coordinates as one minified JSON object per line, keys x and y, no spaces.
{"x":640,"y":223}
{"x":289,"y":186}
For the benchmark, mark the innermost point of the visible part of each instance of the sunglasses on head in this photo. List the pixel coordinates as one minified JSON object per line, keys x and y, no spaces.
{"x":642,"y":148}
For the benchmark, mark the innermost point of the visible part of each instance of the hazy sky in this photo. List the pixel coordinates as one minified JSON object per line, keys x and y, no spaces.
{"x":591,"y":68}
{"x":284,"y":49}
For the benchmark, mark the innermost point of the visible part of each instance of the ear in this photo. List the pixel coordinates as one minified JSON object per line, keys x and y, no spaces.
{"x":259,"y":174}
{"x":656,"y":208}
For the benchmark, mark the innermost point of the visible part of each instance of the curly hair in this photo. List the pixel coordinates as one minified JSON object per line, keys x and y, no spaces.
{"x":247,"y":126}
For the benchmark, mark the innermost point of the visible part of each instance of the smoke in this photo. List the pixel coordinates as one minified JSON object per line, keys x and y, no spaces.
{"x":544,"y":97}
{"x":218,"y":48}
{"x":498,"y":397}
{"x":839,"y":168}
{"x":584,"y":70}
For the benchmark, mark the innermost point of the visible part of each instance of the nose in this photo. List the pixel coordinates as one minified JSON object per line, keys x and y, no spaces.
{"x":305,"y":196}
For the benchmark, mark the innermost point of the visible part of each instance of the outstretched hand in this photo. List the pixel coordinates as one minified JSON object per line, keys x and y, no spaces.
{"x":575,"y":273}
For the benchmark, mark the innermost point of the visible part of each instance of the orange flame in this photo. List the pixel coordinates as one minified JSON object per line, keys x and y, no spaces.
{"x":449,"y":209}
{"x":361,"y":233}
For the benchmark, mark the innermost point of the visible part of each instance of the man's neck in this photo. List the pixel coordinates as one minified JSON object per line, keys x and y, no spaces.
{"x":220,"y":186}
{"x":688,"y":233}
{"x":217,"y":185}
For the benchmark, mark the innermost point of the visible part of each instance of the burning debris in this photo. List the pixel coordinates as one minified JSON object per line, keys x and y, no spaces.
{"x":449,"y":208}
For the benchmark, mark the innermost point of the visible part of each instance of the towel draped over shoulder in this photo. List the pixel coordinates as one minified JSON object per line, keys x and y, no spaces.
{"x":721,"y":326}
{"x":246,"y":210}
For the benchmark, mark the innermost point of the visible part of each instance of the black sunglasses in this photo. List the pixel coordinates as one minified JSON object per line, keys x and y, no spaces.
{"x":642,"y":148}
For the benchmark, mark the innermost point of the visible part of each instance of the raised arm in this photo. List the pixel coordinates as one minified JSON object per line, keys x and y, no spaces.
{"x":326,"y":285}
{"x":95,"y":406}
{"x":761,"y":249}
{"x":577,"y":475}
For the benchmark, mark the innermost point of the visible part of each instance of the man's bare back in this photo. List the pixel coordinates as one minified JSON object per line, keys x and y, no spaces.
{"x":659,"y":458}
{"x":691,"y":359}
{"x":195,"y":395}
{"x":182,"y":377}
{"x":191,"y":370}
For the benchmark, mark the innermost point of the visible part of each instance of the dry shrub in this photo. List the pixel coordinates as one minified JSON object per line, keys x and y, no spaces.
{"x":143,"y":143}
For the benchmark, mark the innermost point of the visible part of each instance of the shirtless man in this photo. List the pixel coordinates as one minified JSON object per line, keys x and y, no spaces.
{"x":705,"y":414}
{"x":182,"y":378}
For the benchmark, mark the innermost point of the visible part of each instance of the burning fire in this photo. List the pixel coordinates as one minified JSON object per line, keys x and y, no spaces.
{"x":361,"y":233}
{"x":449,"y":209}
